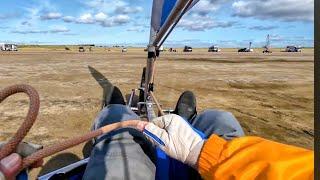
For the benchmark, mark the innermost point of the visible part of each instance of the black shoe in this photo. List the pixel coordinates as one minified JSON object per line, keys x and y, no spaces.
{"x":115,"y":97}
{"x":186,"y":106}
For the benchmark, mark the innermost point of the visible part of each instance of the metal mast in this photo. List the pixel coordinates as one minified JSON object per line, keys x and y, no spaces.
{"x":155,"y":41}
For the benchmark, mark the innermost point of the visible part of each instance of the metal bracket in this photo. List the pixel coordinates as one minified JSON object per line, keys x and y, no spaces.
{"x":151,"y":51}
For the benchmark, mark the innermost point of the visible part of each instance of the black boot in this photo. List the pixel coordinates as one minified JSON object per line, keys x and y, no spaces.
{"x":186,"y":106}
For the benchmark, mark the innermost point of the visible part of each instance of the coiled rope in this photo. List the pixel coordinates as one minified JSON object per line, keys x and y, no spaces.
{"x":34,"y":106}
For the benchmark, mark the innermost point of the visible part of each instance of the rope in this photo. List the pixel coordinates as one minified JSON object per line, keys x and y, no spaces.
{"x":50,"y":150}
{"x":11,"y":146}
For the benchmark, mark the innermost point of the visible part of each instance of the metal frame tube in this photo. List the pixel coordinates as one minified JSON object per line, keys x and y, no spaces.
{"x":174,"y":25}
{"x":155,"y":38}
{"x":157,"y":103}
{"x":133,"y":92}
{"x":171,"y":19}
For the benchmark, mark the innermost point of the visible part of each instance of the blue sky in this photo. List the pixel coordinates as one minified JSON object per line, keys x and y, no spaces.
{"x":228,"y":23}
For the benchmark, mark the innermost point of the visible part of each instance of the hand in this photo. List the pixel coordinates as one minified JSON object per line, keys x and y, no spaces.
{"x":10,"y":165}
{"x":176,"y":137}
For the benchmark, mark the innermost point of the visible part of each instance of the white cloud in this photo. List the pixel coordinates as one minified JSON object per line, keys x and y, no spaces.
{"x":135,"y":29}
{"x":204,"y":7}
{"x":101,"y":17}
{"x":51,"y":15}
{"x":262,"y":28}
{"x":68,"y":19}
{"x":106,"y":6}
{"x":53,"y":30}
{"x":202,"y":23}
{"x":58,"y":29}
{"x":285,"y":10}
{"x":29,"y":31}
{"x":121,"y":19}
{"x":128,"y":9}
{"x":86,"y":19}
{"x":116,"y":21}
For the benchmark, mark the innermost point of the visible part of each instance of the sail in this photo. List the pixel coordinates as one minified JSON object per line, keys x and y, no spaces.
{"x":161,"y":10}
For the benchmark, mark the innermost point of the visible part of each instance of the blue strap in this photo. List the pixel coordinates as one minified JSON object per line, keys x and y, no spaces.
{"x":168,"y":168}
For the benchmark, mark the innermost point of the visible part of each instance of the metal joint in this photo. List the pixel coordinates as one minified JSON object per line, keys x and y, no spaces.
{"x":151,"y":51}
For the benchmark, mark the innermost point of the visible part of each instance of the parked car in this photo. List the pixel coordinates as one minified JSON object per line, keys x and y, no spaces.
{"x":293,"y":49}
{"x":124,"y":50}
{"x":266,"y":50}
{"x":187,"y":49}
{"x":214,"y":49}
{"x":245,"y":50}
{"x":8,"y":47}
{"x":81,"y":49}
{"x":172,"y":50}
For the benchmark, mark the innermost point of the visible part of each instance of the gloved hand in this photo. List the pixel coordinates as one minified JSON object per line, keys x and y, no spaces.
{"x":176,"y":137}
{"x":10,"y":165}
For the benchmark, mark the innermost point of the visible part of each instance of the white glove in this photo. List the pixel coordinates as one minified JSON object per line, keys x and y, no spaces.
{"x":176,"y":137}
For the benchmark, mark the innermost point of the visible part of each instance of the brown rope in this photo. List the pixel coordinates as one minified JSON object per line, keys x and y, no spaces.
{"x":11,"y":146}
{"x":50,"y":150}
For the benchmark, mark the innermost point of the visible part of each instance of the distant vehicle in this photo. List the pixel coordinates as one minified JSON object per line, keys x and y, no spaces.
{"x":249,"y":49}
{"x":293,"y":49}
{"x":214,"y":49}
{"x":245,"y":50}
{"x":172,"y":50}
{"x":266,"y":51}
{"x":124,"y":50}
{"x":8,"y":47}
{"x":81,"y":49}
{"x":187,"y":49}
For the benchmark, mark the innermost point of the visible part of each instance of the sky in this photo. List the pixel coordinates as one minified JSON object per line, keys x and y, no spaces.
{"x":227,"y":23}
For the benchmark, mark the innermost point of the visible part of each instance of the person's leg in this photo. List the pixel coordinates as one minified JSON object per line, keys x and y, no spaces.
{"x":221,"y":123}
{"x":122,"y":154}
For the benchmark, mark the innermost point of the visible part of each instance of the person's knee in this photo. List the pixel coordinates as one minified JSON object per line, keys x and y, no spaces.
{"x":216,"y":115}
{"x":225,"y":122}
{"x":113,"y":113}
{"x":221,"y":119}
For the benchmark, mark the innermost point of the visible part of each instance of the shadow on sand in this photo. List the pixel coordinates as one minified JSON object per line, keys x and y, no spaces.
{"x":105,"y":84}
